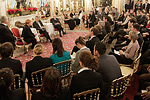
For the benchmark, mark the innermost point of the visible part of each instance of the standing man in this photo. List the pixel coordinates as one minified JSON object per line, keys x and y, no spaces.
{"x":146,"y":6}
{"x":5,"y":33}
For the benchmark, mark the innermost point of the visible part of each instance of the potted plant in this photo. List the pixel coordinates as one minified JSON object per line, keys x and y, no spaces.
{"x":18,"y":12}
{"x":30,"y":9}
{"x":11,"y":12}
{"x":34,"y":10}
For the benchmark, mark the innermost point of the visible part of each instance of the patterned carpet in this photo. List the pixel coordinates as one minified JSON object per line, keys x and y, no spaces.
{"x":68,"y":43}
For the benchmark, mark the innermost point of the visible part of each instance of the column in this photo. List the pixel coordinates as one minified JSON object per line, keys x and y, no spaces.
{"x":52,"y":8}
{"x":64,"y":4}
{"x":3,"y":8}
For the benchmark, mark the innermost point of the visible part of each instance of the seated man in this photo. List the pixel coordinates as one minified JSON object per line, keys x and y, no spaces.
{"x":108,"y":66}
{"x":91,"y":20}
{"x":39,"y":26}
{"x":6,"y":51}
{"x":5,"y":34}
{"x":55,"y":21}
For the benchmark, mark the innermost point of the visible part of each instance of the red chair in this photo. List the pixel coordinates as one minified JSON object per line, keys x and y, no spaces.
{"x":55,"y":29}
{"x":20,"y":42}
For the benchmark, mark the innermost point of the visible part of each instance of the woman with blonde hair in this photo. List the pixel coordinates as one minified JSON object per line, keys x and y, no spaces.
{"x":127,"y":56}
{"x":37,"y":63}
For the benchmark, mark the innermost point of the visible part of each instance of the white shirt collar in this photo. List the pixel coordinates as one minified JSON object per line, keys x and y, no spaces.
{"x":4,"y":24}
{"x":83,"y":47}
{"x":138,"y":32}
{"x":83,"y":69}
{"x":92,"y":37}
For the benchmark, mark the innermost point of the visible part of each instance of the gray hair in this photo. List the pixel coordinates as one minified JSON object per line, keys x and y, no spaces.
{"x":3,"y":19}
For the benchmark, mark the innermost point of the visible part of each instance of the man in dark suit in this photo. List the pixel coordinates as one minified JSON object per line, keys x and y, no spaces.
{"x":146,"y":6}
{"x":99,"y":15}
{"x":93,"y":39}
{"x":56,"y":23}
{"x":6,"y":51}
{"x":91,"y":21}
{"x":143,"y":20}
{"x":39,"y":26}
{"x":5,"y":33}
{"x":127,"y":6}
{"x":37,"y":63}
{"x":108,"y":66}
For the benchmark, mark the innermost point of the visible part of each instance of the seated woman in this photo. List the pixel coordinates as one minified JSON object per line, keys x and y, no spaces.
{"x":87,"y":78}
{"x":52,"y":88}
{"x":27,"y":34}
{"x":59,"y":54}
{"x":70,"y":22}
{"x":6,"y":81}
{"x":128,"y":55}
{"x":73,"y":15}
{"x":80,"y":43}
{"x":37,"y":63}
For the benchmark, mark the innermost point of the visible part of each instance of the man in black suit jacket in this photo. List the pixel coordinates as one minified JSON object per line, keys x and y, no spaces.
{"x":108,"y":66}
{"x":146,"y":6}
{"x":39,"y":26}
{"x":56,"y":23}
{"x":99,"y":15}
{"x":143,"y":20}
{"x":91,"y":20}
{"x":93,"y":39}
{"x":5,"y":34}
{"x":37,"y":63}
{"x":127,"y":6}
{"x":6,"y":51}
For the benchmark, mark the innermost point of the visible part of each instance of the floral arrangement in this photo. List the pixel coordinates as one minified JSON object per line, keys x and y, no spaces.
{"x":34,"y":9}
{"x":18,"y":11}
{"x":11,"y":11}
{"x":30,"y":9}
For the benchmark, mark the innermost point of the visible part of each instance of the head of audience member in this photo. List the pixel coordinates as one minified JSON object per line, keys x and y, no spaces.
{"x":58,"y":47}
{"x":126,"y":14}
{"x":107,"y":27}
{"x":6,"y":81}
{"x":56,"y":8}
{"x":122,"y":13}
{"x":28,"y":22}
{"x":116,"y":9}
{"x":100,"y":10}
{"x":87,"y":60}
{"x":54,"y":16}
{"x":142,"y":12}
{"x":72,"y":11}
{"x":80,"y":42}
{"x":128,"y":1}
{"x":36,"y":18}
{"x":131,"y":22}
{"x":91,"y":12}
{"x":146,"y":1}
{"x":81,"y":8}
{"x":51,"y":86}
{"x":65,"y":12}
{"x":99,"y":28}
{"x":38,"y":49}
{"x":138,"y":13}
{"x":93,"y":31}
{"x":101,"y":24}
{"x":136,"y":27}
{"x":4,"y":20}
{"x":99,"y":49}
{"x":133,"y":36}
{"x":6,"y":50}
{"x":105,"y":18}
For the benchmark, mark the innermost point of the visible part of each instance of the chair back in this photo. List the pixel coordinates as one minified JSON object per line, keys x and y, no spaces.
{"x":106,"y":38}
{"x":64,"y":67}
{"x":16,"y":32}
{"x":93,"y":94}
{"x":37,"y":78}
{"x":136,"y":63}
{"x":119,"y":86}
{"x":141,"y":47}
{"x":136,"y":54}
{"x":17,"y":82}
